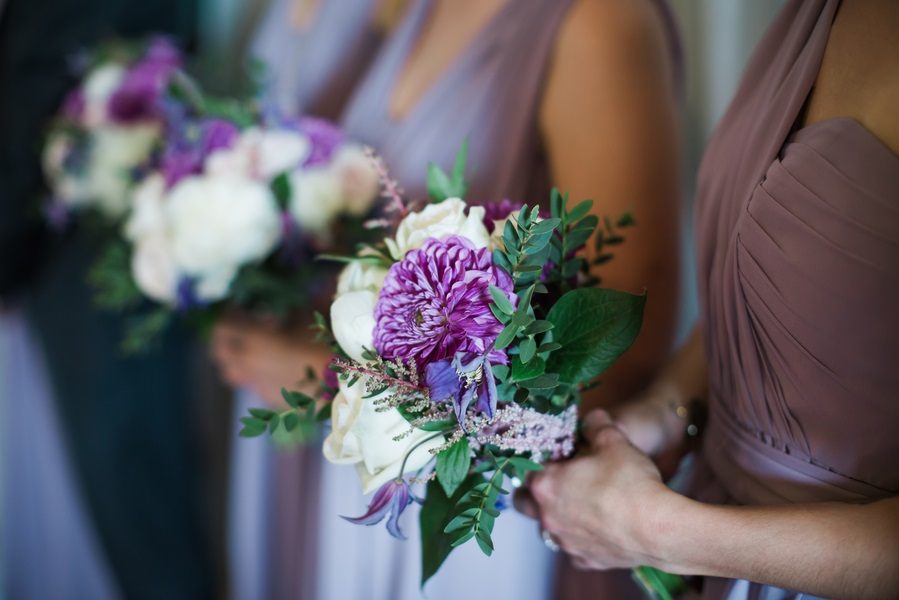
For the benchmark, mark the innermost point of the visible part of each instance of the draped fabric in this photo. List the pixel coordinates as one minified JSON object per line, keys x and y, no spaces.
{"x":798,"y":244}
{"x":274,"y":535}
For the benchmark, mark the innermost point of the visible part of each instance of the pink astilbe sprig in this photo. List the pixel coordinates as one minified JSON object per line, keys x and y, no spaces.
{"x":526,"y":432}
{"x":397,"y":206}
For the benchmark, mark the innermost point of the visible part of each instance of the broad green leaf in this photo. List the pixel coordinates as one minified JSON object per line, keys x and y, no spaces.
{"x":579,"y":211}
{"x":537,"y":327}
{"x":546,"y":381}
{"x":452,"y":466}
{"x":595,"y":326}
{"x":523,"y":372}
{"x":281,"y":188}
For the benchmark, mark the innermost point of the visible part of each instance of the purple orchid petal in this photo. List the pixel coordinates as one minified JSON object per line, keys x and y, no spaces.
{"x":487,"y":396}
{"x":392,"y":498}
{"x":442,"y":381}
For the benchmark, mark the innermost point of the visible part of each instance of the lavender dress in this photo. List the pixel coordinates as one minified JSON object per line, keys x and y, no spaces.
{"x":491,"y":96}
{"x":272,"y":526}
{"x":798,"y":244}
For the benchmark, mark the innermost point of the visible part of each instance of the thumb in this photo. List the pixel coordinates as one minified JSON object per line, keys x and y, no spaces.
{"x":594,"y":422}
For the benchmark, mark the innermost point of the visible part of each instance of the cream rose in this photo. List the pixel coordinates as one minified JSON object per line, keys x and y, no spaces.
{"x":357,"y":178}
{"x":353,"y":322}
{"x":361,"y":275}
{"x":115,"y":153}
{"x":153,"y":267}
{"x":363,"y":436}
{"x":218,"y":224}
{"x":439,"y":221}
{"x":260,"y":154}
{"x":315,"y":200}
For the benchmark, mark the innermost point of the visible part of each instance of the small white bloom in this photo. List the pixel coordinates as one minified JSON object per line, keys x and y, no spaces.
{"x":98,"y":88}
{"x":440,"y":221}
{"x":361,"y":275}
{"x":315,"y":200}
{"x":114,"y":154}
{"x":217,"y":225}
{"x":353,"y":322}
{"x":261,"y":154}
{"x":363,"y":436}
{"x":357,"y":178}
{"x":153,"y":267}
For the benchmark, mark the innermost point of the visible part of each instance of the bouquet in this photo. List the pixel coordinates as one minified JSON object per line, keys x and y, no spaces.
{"x":463,"y":341}
{"x":108,"y":127}
{"x":210,"y":202}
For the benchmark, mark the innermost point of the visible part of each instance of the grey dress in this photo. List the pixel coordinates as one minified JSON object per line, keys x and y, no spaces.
{"x":272,"y":504}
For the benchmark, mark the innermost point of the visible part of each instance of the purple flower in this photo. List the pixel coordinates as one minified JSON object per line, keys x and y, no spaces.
{"x":185,"y":157}
{"x":461,"y":380}
{"x":324,"y":138}
{"x":392,"y":498}
{"x":497,"y":211}
{"x":73,"y":105}
{"x":186,"y":296}
{"x":139,"y":96}
{"x":435,"y":303}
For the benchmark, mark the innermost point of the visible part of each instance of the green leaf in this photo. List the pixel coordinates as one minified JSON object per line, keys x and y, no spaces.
{"x":546,"y":381}
{"x":579,"y":211}
{"x":527,"y":349}
{"x":501,"y":300}
{"x":523,"y":372}
{"x":484,"y":541}
{"x":595,"y":326}
{"x":523,"y":465}
{"x":252,"y":427}
{"x":441,"y":186}
{"x":537,"y":327}
{"x":281,"y":188}
{"x":436,"y":512}
{"x":452,"y":466}
{"x":290,"y":421}
{"x":546,"y":226}
{"x":506,"y":336}
{"x":296,"y":399}
{"x":429,"y":426}
{"x":659,"y":584}
{"x":548,"y":347}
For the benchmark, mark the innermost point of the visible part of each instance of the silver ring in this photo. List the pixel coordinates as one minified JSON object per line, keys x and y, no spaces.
{"x":549,"y":541}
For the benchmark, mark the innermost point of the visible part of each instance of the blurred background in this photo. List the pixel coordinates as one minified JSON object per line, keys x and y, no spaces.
{"x":38,"y":491}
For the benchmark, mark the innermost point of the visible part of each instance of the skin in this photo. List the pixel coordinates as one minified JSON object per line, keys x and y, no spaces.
{"x":608,"y":119}
{"x":608,"y":507}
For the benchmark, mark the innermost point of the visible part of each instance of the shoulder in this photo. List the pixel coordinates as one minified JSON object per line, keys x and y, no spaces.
{"x":612,"y":29}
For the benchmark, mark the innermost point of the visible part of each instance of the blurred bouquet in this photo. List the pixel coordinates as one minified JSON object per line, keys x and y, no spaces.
{"x":211,"y":201}
{"x":463,"y":341}
{"x":109,"y":127}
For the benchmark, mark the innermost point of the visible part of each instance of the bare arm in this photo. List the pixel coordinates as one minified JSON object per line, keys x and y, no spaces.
{"x":829,"y":549}
{"x":609,"y":509}
{"x":609,"y":120}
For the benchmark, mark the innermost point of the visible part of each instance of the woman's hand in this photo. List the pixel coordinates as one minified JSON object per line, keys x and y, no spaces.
{"x":264,"y":357}
{"x":602,"y":506}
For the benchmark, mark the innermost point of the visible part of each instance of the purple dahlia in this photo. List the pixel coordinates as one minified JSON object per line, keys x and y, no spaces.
{"x":435,"y":303}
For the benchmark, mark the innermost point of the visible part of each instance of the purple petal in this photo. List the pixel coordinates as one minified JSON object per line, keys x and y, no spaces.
{"x":487,"y":396}
{"x":442,"y":380}
{"x":380,"y":505}
{"x":401,"y":500}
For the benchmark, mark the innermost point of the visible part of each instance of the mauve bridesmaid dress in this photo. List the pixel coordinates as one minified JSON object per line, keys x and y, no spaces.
{"x":271,"y":511}
{"x":798,"y":245}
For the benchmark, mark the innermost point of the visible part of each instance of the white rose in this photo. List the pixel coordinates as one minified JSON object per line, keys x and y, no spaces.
{"x":361,"y":275}
{"x":315,"y":200}
{"x":99,"y":86}
{"x":148,"y":209}
{"x":363,"y":436}
{"x":115,"y":153}
{"x":153,"y":267}
{"x":218,"y":224}
{"x":357,"y":178}
{"x":353,"y":322}
{"x":260,"y":154}
{"x":439,"y":221}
